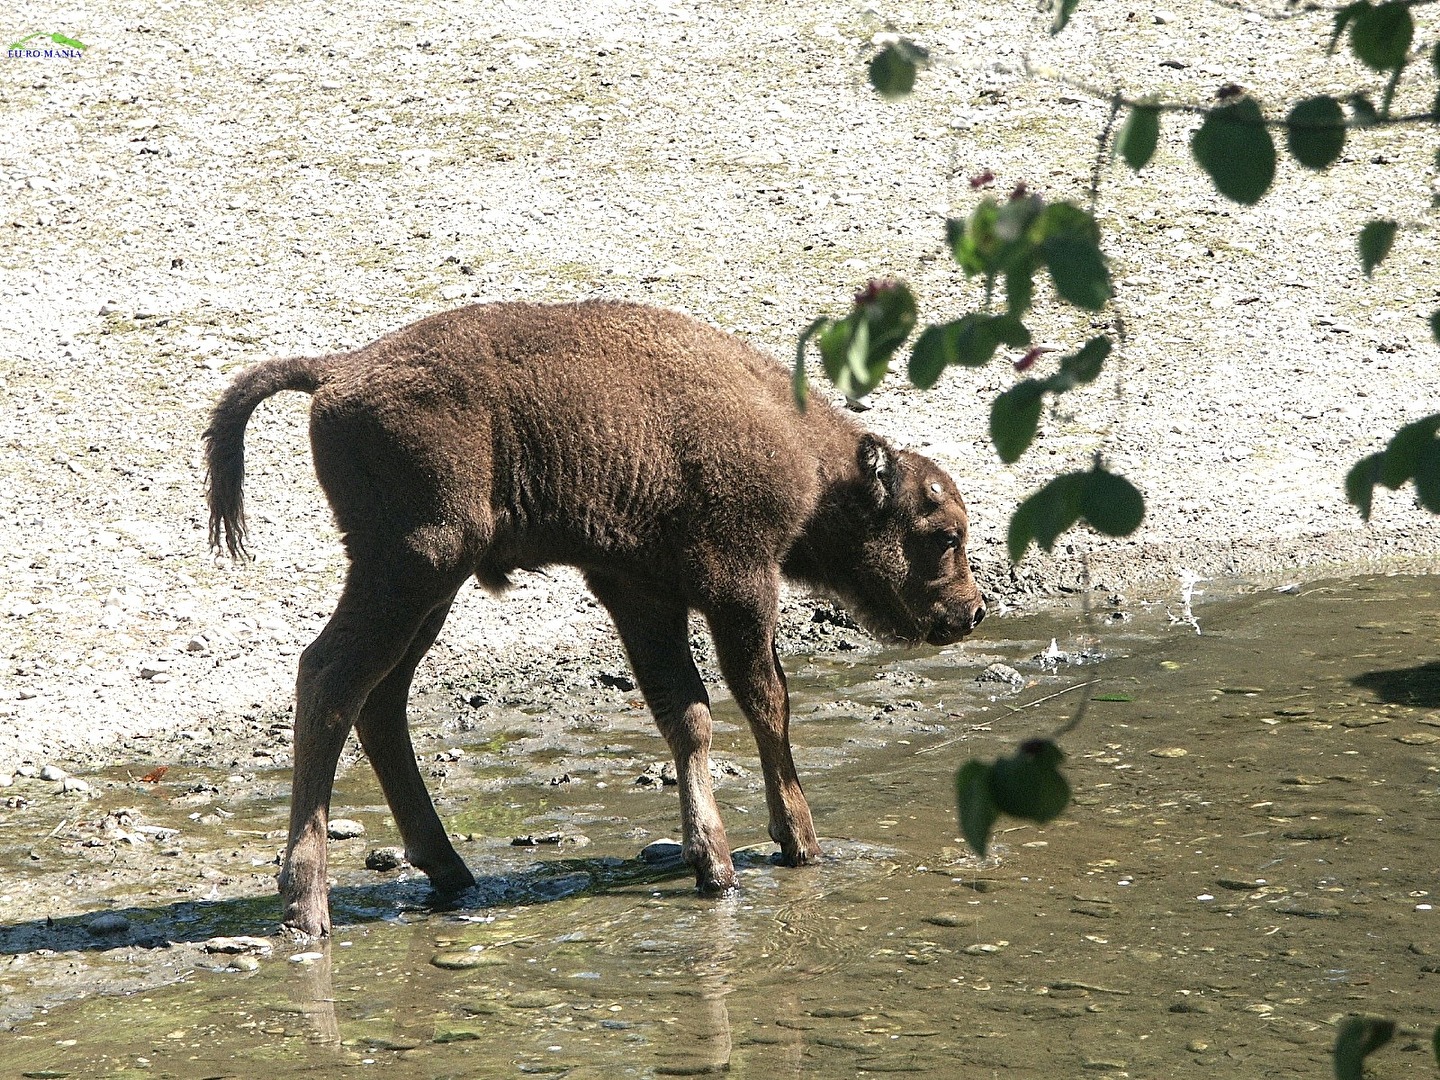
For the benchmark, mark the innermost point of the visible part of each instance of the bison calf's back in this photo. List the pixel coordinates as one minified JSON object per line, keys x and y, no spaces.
{"x":662,"y":458}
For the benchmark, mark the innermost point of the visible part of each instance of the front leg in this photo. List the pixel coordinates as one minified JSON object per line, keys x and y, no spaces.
{"x":655,"y":634}
{"x":744,"y":636}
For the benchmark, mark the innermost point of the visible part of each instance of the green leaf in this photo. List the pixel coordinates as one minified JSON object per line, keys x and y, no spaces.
{"x":1360,"y":483}
{"x":1139,"y":137}
{"x":1315,"y":132}
{"x":1358,"y":1037}
{"x":1009,"y":330}
{"x":1342,"y":19}
{"x":1112,"y":697}
{"x":1234,"y":148}
{"x":1111,"y":504}
{"x":1029,"y":785}
{"x":1380,"y":36}
{"x":1020,"y":288}
{"x":857,"y":349}
{"x":974,"y":340}
{"x":930,"y":357}
{"x":1082,"y":366}
{"x":1375,"y":240}
{"x":1065,"y":219}
{"x":1014,"y":417}
{"x":799,"y":383}
{"x":973,"y":241}
{"x":977,"y":810}
{"x":1063,"y":10}
{"x":1045,"y":515}
{"x":892,"y":72}
{"x":61,"y":39}
{"x":1078,"y":270}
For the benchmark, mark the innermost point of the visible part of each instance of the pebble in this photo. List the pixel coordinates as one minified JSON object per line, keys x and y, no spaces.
{"x":53,"y":772}
{"x":535,"y":840}
{"x":384,"y":859}
{"x":73,"y":785}
{"x":984,"y":949}
{"x":951,"y":919}
{"x":460,"y":961}
{"x":109,"y":923}
{"x":1001,"y":673}
{"x":237,"y":945}
{"x":1418,"y":738}
{"x":659,"y":852}
{"x":344,"y":829}
{"x":1170,"y":752}
{"x":306,"y":957}
{"x":244,"y":962}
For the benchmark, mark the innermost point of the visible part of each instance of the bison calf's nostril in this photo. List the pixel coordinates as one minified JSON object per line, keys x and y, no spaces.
{"x":979,"y":616}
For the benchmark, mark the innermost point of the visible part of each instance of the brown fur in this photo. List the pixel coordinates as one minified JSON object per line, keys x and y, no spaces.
{"x":663,"y":458}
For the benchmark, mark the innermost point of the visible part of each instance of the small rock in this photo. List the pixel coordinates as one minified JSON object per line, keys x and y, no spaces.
{"x":982,"y":949}
{"x":385,"y":859}
{"x":237,"y":945}
{"x":6,"y":779}
{"x":1197,"y":1046}
{"x":306,"y":957}
{"x":1001,"y":673}
{"x":660,"y":852}
{"x":243,"y":962}
{"x":73,"y":785}
{"x":1170,"y":752}
{"x":53,"y":772}
{"x":109,"y":923}
{"x":459,"y":961}
{"x":153,"y":668}
{"x":344,"y":829}
{"x":535,"y":840}
{"x":29,"y":772}
{"x":950,"y":919}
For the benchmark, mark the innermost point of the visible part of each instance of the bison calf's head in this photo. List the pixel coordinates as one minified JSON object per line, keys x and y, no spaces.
{"x":911,"y":581}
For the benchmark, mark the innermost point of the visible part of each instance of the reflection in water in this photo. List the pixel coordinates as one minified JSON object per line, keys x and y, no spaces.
{"x":1252,"y":852}
{"x":314,"y":995}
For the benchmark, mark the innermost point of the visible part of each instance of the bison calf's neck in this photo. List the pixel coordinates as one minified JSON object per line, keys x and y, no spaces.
{"x":661,"y":457}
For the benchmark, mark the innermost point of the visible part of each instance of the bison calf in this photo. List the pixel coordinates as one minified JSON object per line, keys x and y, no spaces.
{"x":661,"y":457}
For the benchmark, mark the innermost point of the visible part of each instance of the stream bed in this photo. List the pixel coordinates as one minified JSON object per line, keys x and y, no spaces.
{"x":1253,"y":851}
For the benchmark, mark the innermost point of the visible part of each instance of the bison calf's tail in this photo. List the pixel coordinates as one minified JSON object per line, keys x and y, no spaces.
{"x":225,"y":441}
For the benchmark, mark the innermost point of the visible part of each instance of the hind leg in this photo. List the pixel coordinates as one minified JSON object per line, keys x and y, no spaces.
{"x":656,"y":638}
{"x":385,"y":734}
{"x":377,"y":619}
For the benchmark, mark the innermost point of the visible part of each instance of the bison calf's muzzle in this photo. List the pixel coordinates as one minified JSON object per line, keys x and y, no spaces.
{"x":662,"y":458}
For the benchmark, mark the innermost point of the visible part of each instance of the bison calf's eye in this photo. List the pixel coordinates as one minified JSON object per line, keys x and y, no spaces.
{"x":950,"y":541}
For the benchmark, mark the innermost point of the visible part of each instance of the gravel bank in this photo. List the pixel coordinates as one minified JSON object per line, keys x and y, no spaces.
{"x":206,"y":188}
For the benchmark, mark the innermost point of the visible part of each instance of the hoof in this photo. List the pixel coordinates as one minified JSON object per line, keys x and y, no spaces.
{"x":716,"y":890}
{"x":303,"y":927}
{"x":451,"y":882}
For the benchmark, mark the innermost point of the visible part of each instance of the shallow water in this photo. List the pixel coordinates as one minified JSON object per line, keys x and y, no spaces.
{"x":1252,"y":852}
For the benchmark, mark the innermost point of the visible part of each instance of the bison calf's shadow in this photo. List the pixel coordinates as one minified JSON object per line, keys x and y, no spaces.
{"x":664,"y":459}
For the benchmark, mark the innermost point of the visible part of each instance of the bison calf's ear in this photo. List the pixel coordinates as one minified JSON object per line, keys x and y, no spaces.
{"x":879,"y":467}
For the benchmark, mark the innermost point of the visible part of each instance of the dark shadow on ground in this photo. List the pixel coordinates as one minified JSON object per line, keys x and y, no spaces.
{"x":191,"y":921}
{"x":1418,"y":686}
